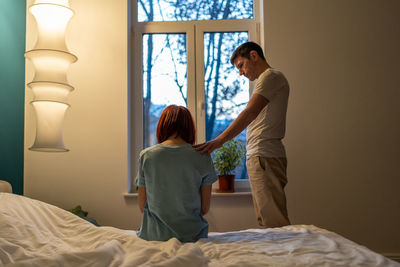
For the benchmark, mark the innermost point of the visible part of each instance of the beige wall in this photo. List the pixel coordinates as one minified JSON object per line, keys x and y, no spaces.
{"x":342,"y":61}
{"x":342,"y":133}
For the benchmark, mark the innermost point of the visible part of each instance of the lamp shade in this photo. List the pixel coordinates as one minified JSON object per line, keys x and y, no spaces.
{"x":52,"y":20}
{"x":49,"y":119}
{"x":51,"y":61}
{"x":50,"y":65}
{"x":51,"y":91}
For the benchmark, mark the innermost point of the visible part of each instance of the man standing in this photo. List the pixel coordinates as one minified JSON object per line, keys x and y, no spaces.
{"x":265,"y":117}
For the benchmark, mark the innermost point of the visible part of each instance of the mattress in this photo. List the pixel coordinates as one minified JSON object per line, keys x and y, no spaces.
{"x":35,"y":233}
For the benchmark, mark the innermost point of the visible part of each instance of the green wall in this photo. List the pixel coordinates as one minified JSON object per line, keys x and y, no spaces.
{"x":12,"y":92}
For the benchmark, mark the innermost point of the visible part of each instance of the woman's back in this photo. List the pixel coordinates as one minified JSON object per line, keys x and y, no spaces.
{"x":172,"y":176}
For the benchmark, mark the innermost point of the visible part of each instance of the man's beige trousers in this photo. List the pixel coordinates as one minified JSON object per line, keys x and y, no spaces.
{"x":267,"y":180}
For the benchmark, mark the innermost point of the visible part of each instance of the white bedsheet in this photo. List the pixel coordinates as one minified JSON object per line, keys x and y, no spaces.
{"x":33,"y":233}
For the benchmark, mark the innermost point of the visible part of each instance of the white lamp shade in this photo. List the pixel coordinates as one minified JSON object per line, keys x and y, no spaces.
{"x":52,"y":21}
{"x":50,"y":65}
{"x":50,"y":91}
{"x":49,"y":119}
{"x":51,"y":60}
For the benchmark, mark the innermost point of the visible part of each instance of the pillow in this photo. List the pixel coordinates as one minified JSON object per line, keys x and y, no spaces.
{"x":5,"y":187}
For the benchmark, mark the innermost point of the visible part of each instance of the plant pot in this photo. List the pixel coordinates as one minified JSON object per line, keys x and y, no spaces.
{"x":226,"y":183}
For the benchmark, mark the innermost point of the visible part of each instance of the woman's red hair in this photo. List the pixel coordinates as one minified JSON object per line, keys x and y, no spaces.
{"x":176,"y":120}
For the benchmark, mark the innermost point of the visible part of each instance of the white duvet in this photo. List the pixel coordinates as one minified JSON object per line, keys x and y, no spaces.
{"x":33,"y":233}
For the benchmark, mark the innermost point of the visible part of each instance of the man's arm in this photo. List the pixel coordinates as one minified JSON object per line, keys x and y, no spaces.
{"x":253,"y":108}
{"x":205,"y":198}
{"x":142,"y":198}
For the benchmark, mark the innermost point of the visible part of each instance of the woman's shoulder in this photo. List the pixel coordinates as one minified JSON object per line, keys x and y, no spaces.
{"x":197,"y":155}
{"x":149,"y":150}
{"x":185,"y":150}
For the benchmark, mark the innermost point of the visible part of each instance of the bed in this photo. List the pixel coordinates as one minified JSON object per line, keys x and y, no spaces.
{"x":34,"y":233}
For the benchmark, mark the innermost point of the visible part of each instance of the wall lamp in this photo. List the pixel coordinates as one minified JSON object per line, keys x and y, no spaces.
{"x":51,"y":59}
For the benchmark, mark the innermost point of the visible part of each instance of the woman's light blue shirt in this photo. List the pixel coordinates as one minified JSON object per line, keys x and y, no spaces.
{"x":172,"y":176}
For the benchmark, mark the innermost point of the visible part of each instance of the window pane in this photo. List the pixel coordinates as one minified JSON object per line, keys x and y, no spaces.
{"x":177,"y":10}
{"x":226,"y":92}
{"x":164,"y":79}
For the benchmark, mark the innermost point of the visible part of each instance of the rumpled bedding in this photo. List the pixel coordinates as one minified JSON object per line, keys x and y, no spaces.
{"x":34,"y":233}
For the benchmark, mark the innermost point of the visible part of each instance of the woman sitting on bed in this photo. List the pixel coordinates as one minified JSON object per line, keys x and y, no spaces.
{"x":174,"y":181}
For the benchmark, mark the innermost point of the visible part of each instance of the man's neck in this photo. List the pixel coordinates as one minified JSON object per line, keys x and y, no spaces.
{"x":262,"y":67}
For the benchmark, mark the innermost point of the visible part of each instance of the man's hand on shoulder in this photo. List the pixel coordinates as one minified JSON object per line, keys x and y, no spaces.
{"x":208,"y":147}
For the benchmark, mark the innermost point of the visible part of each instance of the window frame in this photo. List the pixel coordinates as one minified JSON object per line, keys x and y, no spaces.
{"x":244,"y":25}
{"x":194,"y":31}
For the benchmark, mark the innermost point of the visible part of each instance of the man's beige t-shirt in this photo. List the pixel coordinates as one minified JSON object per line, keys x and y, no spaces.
{"x":265,"y":133}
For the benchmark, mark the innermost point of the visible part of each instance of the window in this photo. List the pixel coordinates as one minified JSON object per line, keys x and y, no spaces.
{"x":177,"y":10}
{"x":180,"y":55}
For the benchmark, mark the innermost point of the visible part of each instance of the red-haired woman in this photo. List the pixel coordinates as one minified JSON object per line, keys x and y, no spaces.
{"x":174,"y":181}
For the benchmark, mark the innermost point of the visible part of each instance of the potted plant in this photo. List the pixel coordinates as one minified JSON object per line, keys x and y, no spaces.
{"x":226,"y":159}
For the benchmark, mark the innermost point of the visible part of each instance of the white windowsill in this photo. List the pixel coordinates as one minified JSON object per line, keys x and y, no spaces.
{"x":242,"y":188}
{"x":130,"y":194}
{"x":237,"y":193}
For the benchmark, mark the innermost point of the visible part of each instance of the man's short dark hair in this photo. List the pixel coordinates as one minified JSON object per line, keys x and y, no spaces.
{"x":244,"y":51}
